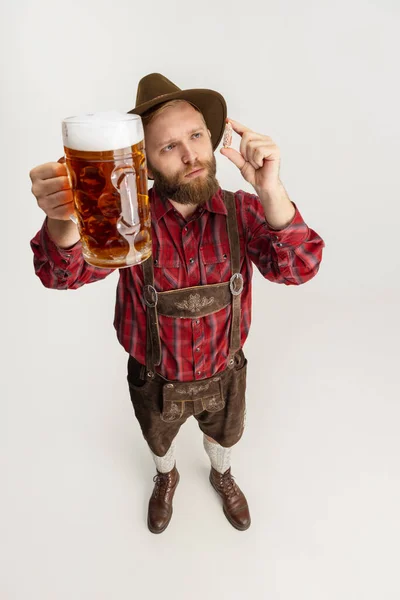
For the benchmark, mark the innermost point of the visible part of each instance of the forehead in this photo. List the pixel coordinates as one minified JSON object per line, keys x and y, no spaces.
{"x":173,"y":122}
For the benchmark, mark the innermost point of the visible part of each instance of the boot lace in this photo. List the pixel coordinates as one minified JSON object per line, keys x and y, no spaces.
{"x":162,"y":482}
{"x":228,"y":485}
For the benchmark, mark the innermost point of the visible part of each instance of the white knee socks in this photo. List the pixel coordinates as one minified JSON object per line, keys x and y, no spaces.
{"x":220,"y":457}
{"x":166,"y":463}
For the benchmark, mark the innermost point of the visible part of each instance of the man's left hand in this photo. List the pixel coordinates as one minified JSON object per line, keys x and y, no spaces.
{"x":258,"y":159}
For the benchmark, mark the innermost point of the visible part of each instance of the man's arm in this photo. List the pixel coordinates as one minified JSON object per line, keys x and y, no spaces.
{"x":64,"y":234}
{"x":278,"y":208}
{"x":62,"y":268}
{"x":290,"y":255}
{"x":56,"y":247}
{"x":279,"y":242}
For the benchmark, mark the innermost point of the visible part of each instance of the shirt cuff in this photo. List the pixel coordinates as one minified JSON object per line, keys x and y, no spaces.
{"x":62,"y":259}
{"x":291,"y":236}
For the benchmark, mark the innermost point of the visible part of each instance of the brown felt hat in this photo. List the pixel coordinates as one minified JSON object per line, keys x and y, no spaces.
{"x":155,"y":89}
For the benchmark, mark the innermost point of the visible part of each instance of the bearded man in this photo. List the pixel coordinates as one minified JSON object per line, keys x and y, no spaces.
{"x":184,"y":315}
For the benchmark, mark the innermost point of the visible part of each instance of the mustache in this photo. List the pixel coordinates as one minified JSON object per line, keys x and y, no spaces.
{"x":195,"y":167}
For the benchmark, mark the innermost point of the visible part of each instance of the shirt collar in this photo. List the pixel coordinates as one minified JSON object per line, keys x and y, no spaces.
{"x":160,"y":206}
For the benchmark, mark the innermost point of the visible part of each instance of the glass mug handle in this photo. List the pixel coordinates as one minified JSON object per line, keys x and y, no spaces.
{"x":124,"y":181}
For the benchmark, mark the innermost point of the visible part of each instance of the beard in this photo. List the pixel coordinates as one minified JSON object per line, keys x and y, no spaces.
{"x":197,"y":191}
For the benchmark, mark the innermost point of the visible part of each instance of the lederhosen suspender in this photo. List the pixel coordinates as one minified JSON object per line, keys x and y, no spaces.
{"x":198,"y":301}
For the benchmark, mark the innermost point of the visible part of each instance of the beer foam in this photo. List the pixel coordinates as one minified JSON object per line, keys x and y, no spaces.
{"x":102,"y":131}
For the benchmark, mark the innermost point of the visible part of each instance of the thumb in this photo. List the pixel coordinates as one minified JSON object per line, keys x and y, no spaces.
{"x":234,"y":156}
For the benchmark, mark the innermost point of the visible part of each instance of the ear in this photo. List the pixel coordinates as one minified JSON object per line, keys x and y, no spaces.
{"x":149,"y":173}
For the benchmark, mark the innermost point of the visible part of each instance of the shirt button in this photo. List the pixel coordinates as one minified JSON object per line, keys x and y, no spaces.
{"x":191,"y":260}
{"x":197,"y":349}
{"x":198,"y":372}
{"x":197,"y":321}
{"x":185,"y":229}
{"x":279,"y":245}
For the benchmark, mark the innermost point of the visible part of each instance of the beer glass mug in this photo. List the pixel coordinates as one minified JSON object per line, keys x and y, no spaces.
{"x":106,"y":165}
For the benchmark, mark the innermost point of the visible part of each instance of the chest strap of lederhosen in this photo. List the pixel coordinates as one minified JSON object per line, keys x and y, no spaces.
{"x":196,"y":301}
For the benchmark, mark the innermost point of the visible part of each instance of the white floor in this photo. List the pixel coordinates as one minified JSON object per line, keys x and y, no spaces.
{"x":319,"y":464}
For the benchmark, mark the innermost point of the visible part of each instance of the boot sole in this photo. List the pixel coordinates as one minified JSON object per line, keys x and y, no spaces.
{"x":169,"y":520}
{"x":235,"y":525}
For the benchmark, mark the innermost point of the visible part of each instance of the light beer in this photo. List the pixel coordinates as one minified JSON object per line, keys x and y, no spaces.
{"x":106,"y":164}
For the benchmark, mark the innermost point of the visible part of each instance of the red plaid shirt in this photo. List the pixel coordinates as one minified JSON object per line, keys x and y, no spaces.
{"x":190,"y":253}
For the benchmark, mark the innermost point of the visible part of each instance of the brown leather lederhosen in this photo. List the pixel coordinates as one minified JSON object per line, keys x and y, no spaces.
{"x":192,"y":303}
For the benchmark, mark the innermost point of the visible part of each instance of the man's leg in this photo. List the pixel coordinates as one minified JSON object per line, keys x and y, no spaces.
{"x":146,"y":400}
{"x":234,"y":501}
{"x":166,"y":481}
{"x":219,"y":456}
{"x":166,"y":463}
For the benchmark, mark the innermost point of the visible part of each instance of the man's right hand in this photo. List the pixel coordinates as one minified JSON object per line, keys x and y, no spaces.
{"x":50,"y":186}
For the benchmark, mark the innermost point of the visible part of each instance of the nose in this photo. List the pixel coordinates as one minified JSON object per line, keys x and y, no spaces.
{"x":189,"y":155}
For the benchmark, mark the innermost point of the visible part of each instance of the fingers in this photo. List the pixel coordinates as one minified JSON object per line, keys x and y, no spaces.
{"x":245,"y":167}
{"x":57,"y":206}
{"x":49,"y":203}
{"x":238,"y":127}
{"x":63,"y":212}
{"x":259,"y":150}
{"x":234,"y":156}
{"x":48,"y":171}
{"x":249,"y":142}
{"x":51,"y":188}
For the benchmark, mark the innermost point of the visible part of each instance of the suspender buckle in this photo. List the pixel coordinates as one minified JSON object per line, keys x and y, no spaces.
{"x":150,"y":296}
{"x":236,"y":284}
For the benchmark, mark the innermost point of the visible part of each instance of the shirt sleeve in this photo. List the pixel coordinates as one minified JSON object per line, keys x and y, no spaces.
{"x":291,"y":255}
{"x":62,"y":268}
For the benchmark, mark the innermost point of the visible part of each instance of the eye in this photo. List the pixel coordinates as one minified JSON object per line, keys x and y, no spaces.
{"x":196,"y":135}
{"x":168,"y":148}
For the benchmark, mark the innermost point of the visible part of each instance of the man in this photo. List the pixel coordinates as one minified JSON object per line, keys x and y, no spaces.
{"x":184,"y":314}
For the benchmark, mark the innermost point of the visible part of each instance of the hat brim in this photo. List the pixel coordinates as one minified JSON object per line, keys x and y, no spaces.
{"x":210,"y":103}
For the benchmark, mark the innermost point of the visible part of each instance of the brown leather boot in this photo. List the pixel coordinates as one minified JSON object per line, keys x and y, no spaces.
{"x":234,"y":502}
{"x":160,"y":504}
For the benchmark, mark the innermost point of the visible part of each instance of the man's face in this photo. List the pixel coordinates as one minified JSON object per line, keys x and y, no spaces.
{"x":180,"y":156}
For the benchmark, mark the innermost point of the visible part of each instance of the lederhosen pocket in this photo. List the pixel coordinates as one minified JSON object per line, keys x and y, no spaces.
{"x":204,"y":395}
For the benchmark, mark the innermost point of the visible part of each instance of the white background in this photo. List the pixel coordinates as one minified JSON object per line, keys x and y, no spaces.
{"x":319,"y":461}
